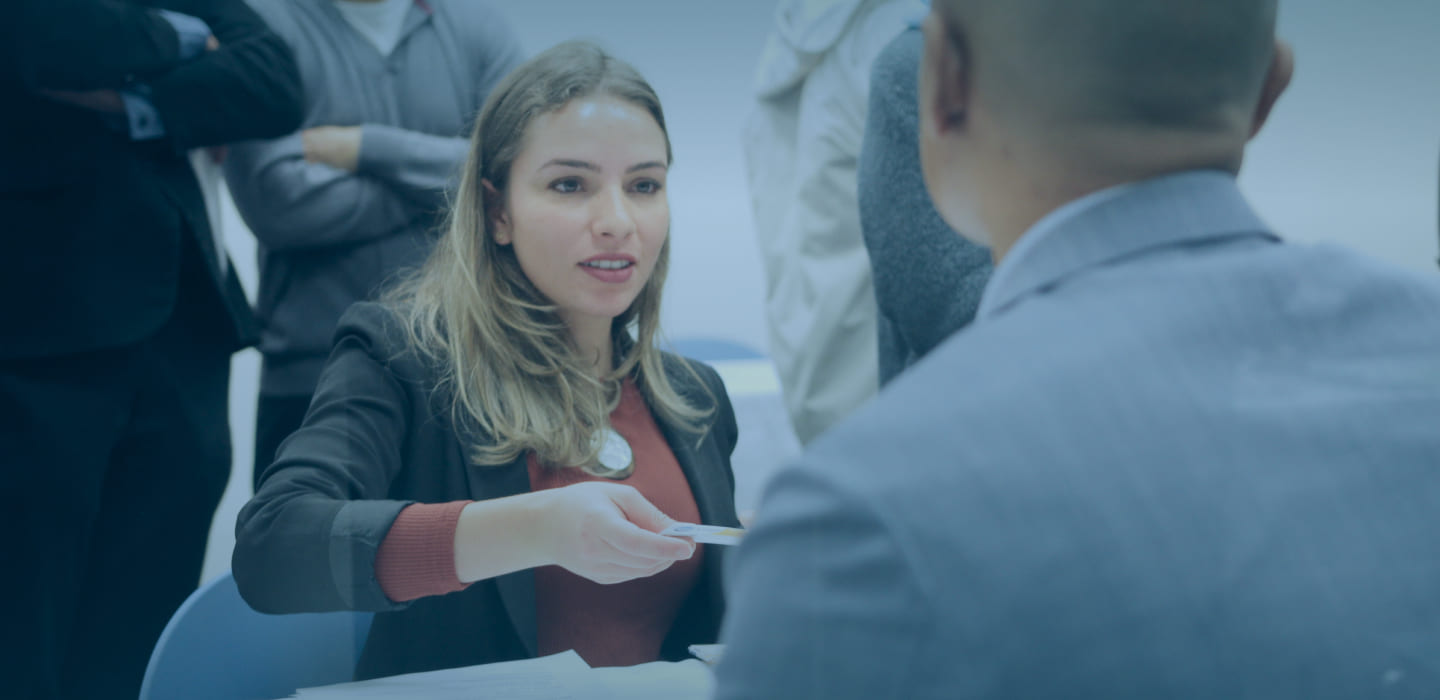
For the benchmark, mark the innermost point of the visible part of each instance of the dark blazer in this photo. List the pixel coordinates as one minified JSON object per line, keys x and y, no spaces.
{"x":94,"y":224}
{"x":378,"y":438}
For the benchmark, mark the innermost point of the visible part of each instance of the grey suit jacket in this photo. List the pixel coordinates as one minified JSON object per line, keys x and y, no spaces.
{"x":1174,"y":457}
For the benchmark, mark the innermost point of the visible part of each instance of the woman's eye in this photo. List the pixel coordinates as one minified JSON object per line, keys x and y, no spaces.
{"x":566,"y":186}
{"x":647,"y":187}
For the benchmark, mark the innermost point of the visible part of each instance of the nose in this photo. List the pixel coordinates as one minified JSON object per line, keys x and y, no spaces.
{"x":611,"y":215}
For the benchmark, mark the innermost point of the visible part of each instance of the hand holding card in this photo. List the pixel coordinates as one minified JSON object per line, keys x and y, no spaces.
{"x":708,"y":534}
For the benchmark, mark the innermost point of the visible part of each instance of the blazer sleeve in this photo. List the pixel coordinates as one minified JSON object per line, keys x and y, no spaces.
{"x":819,"y":314}
{"x":307,"y":541}
{"x":248,"y":88}
{"x":87,"y":44}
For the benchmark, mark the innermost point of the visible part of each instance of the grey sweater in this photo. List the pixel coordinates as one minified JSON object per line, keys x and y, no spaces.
{"x":326,"y":237}
{"x":928,"y":279}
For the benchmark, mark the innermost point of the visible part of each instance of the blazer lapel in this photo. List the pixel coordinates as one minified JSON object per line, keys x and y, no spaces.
{"x":712,"y":495}
{"x":517,"y":590}
{"x":703,"y":471}
{"x":709,"y":493}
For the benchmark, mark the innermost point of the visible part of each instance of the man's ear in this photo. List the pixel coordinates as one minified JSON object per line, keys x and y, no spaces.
{"x":944,"y":75}
{"x":499,"y":218}
{"x":1282,"y":68}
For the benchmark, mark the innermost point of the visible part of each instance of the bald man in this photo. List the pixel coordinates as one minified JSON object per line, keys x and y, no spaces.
{"x":1173,"y":457}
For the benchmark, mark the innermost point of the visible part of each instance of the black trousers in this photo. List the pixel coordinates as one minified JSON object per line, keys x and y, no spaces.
{"x":275,"y":418}
{"x":114,"y":462}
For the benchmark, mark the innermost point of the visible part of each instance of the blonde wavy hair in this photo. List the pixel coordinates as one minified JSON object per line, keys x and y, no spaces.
{"x":505,"y":359}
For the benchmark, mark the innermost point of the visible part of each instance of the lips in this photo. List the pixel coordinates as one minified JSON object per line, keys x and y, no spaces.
{"x":610,"y":268}
{"x":608,"y":264}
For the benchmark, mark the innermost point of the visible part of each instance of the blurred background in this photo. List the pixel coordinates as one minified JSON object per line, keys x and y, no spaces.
{"x":1349,"y":157}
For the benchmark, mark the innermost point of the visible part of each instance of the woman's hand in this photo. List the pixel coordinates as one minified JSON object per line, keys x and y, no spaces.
{"x":607,"y":533}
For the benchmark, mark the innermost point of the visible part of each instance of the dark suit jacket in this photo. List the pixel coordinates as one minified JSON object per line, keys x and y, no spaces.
{"x":378,"y":438}
{"x":94,"y":224}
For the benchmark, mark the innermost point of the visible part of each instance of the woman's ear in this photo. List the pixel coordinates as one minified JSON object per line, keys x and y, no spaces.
{"x":496,"y":213}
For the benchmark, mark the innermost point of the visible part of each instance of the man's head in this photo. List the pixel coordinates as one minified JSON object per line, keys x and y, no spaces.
{"x":1027,"y":104}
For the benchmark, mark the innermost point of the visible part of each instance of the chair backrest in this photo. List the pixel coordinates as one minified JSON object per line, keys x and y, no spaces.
{"x":713,"y":349}
{"x":216,"y":647}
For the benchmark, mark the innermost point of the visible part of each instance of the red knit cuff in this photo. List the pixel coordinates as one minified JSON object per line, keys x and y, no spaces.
{"x":417,"y":557}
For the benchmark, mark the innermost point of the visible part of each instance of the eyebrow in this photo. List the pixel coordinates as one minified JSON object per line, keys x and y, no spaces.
{"x":585,"y":165}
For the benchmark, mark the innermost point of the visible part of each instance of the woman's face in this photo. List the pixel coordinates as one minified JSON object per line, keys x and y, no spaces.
{"x":586,"y":209}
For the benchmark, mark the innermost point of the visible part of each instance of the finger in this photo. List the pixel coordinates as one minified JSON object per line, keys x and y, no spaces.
{"x":640,"y":511}
{"x":622,"y":575}
{"x":611,"y":555}
{"x":614,"y":573}
{"x":659,"y":567}
{"x":641,"y":543}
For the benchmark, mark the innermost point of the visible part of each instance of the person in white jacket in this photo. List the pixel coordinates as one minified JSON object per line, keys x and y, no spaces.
{"x":802,"y":144}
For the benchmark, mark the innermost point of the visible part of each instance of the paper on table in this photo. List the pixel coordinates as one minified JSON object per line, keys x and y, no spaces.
{"x":709,"y":653}
{"x":559,"y":676}
{"x":690,"y":679}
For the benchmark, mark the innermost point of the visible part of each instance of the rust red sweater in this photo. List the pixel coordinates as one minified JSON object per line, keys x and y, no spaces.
{"x":608,"y":625}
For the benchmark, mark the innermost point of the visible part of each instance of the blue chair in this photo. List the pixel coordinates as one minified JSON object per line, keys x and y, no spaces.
{"x":713,"y":349}
{"x":216,"y":647}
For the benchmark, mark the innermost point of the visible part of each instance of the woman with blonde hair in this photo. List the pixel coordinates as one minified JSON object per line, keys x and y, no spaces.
{"x":493,"y":449}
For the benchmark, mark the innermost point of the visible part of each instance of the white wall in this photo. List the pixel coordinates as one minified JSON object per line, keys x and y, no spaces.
{"x":1351,"y":152}
{"x":1350,"y":155}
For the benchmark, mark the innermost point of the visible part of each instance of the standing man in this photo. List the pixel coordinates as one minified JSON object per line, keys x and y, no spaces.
{"x":356,"y":195}
{"x":118,"y":315}
{"x":1173,"y":457}
{"x":801,"y":146}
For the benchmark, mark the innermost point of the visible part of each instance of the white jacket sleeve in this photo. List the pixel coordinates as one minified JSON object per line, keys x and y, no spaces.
{"x":802,"y":151}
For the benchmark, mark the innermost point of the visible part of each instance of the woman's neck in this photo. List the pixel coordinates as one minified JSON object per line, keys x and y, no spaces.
{"x":592,"y":340}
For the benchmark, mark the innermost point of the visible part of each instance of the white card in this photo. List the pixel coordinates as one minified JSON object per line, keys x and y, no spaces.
{"x":708,"y":534}
{"x":709,"y":653}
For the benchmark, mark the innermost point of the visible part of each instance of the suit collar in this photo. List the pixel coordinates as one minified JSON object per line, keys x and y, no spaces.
{"x":1120,"y":222}
{"x":687,"y":445}
{"x":713,"y":503}
{"x":714,"y":498}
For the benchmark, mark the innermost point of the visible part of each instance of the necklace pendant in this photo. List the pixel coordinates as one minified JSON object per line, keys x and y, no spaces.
{"x":616,"y":459}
